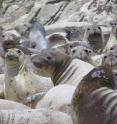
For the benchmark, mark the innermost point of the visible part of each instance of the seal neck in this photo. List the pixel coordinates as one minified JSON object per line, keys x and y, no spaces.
{"x":59,"y":70}
{"x":14,"y":70}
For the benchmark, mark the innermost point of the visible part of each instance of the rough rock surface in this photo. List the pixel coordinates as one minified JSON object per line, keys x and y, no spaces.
{"x":14,"y":12}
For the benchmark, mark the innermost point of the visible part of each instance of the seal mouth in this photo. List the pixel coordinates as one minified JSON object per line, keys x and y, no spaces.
{"x":9,"y":44}
{"x":38,"y":65}
{"x":11,"y":57}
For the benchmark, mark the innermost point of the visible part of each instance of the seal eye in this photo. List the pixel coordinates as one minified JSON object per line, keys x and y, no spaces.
{"x":3,"y":35}
{"x":99,"y":28}
{"x":105,"y":57}
{"x":74,"y":51}
{"x":116,"y":74}
{"x":71,"y":46}
{"x":88,"y":29}
{"x":18,"y":51}
{"x":49,"y":58}
{"x":86,"y":51}
{"x":111,"y":48}
{"x":116,"y":56}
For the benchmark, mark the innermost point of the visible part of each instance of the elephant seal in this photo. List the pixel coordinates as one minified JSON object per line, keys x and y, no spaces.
{"x":74,"y":33}
{"x":60,"y":66}
{"x":95,"y":100}
{"x":37,"y":35}
{"x":95,"y":38}
{"x":113,"y":35}
{"x":81,"y":52}
{"x":21,"y":83}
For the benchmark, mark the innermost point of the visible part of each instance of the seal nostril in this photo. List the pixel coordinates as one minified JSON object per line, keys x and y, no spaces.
{"x":74,"y":51}
{"x":105,"y":57}
{"x":18,"y":51}
{"x":111,"y":48}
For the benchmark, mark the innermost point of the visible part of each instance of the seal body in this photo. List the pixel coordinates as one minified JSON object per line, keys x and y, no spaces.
{"x":94,"y":100}
{"x":21,"y":82}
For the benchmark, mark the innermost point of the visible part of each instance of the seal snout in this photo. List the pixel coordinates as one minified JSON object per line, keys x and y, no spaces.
{"x":35,"y":61}
{"x":11,"y":56}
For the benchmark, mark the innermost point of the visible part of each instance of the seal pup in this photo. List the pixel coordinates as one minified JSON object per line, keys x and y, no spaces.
{"x":81,"y":52}
{"x":95,"y":100}
{"x":74,"y":33}
{"x":9,"y":41}
{"x":37,"y":35}
{"x":113,"y":36}
{"x":86,"y":54}
{"x":20,"y":82}
{"x":60,"y":67}
{"x":110,"y":59}
{"x":95,"y":38}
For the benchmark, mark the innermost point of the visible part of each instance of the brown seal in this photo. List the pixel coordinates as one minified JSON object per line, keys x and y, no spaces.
{"x":60,"y":67}
{"x":95,"y":101}
{"x":81,"y":52}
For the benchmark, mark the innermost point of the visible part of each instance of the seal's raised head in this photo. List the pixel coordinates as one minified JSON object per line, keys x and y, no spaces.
{"x":13,"y":56}
{"x":14,"y":62}
{"x":95,"y":37}
{"x":49,"y":59}
{"x":9,"y":41}
{"x":81,"y":52}
{"x":110,"y":59}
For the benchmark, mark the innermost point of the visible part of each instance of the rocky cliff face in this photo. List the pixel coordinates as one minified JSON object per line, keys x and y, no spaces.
{"x":15,"y":12}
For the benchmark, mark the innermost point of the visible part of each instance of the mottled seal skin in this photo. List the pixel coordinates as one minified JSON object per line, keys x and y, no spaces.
{"x":74,"y":33}
{"x":110,"y":59}
{"x":21,"y":83}
{"x":95,"y":38}
{"x":94,"y":101}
